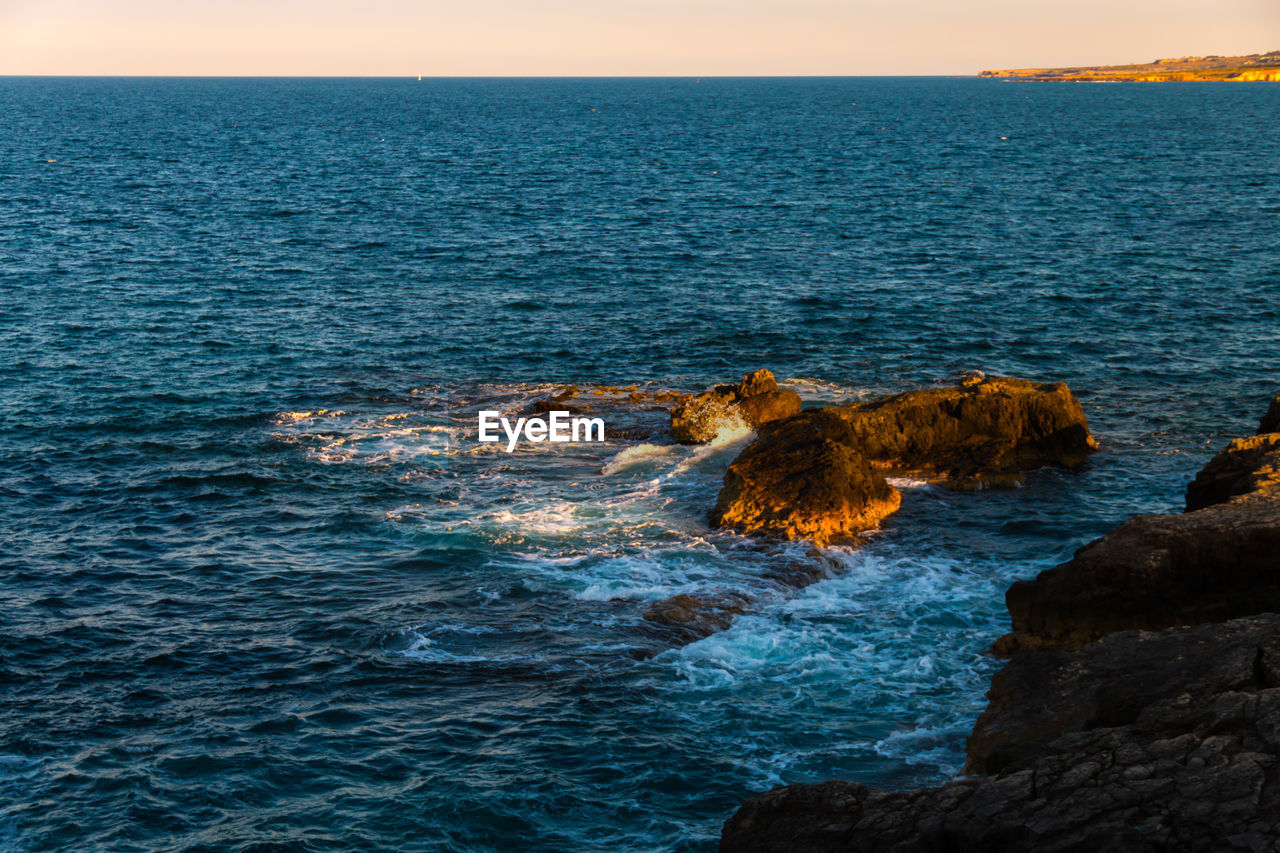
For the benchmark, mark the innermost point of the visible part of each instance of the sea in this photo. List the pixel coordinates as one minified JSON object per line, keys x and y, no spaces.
{"x":261,"y":588}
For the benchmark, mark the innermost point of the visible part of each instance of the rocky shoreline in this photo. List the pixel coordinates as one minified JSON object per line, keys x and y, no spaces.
{"x":1140,"y":710}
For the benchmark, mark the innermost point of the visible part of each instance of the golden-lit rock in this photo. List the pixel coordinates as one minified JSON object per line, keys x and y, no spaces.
{"x":803,"y":479}
{"x":980,"y":434}
{"x":752,"y":402}
{"x":820,"y":474}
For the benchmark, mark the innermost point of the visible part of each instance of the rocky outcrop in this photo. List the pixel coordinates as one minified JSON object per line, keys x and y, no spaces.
{"x":754,"y":401}
{"x":1184,"y":759}
{"x":802,"y":479}
{"x":1246,"y":466}
{"x":1118,"y":681}
{"x":1154,"y":572}
{"x":821,"y":474}
{"x":1219,"y":560}
{"x":985,"y":431}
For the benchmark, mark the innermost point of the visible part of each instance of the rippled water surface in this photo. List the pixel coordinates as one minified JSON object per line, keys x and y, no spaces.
{"x":261,"y":588}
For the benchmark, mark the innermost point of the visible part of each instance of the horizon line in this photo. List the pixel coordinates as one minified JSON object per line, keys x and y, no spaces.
{"x":424,"y":77}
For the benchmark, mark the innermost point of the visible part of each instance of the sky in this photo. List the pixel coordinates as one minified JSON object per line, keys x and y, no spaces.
{"x":614,"y":37}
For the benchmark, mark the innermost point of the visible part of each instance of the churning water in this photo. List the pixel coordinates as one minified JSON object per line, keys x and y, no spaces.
{"x":262,"y":589}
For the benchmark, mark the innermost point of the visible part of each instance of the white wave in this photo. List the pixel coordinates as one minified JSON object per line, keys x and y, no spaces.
{"x":886,"y":631}
{"x":907,"y":482}
{"x":431,"y":643}
{"x":623,"y":589}
{"x":822,"y":391}
{"x":638,"y":455}
{"x":929,"y":745}
{"x":557,"y":519}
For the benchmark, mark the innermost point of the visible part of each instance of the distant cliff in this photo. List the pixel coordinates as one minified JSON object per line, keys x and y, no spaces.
{"x":1252,"y":68}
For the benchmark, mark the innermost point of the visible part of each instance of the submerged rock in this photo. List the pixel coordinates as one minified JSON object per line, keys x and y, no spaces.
{"x":695,"y":616}
{"x":754,"y":401}
{"x":1141,"y":742}
{"x":989,"y":429}
{"x":802,"y":479}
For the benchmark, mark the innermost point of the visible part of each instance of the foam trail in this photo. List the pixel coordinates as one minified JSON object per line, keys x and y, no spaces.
{"x":637,"y":455}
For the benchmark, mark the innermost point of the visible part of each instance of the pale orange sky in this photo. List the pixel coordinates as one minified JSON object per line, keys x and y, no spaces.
{"x":613,"y":37}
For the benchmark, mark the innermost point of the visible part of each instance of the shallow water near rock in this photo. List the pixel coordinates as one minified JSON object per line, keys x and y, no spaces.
{"x":260,"y":584}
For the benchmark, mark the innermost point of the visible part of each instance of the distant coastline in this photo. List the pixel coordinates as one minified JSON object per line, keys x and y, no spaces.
{"x":1257,"y":67}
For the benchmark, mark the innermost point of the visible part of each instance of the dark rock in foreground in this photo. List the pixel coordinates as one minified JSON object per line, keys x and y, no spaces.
{"x":1247,"y":465}
{"x":1040,"y":696}
{"x":1154,"y":572}
{"x":1218,"y":561}
{"x":1184,"y":761}
{"x":754,"y":401}
{"x":1271,"y":420}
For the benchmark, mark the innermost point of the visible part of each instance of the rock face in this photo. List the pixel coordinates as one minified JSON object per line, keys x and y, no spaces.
{"x":1271,"y":420}
{"x":1118,"y":681}
{"x":1219,"y":560}
{"x":1247,"y":465}
{"x":1154,"y":572}
{"x":821,"y":474}
{"x":802,"y":479}
{"x":989,"y":430}
{"x":754,"y":401}
{"x":1184,"y":760}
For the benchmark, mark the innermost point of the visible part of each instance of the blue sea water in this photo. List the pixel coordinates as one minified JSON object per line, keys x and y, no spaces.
{"x":261,"y":589}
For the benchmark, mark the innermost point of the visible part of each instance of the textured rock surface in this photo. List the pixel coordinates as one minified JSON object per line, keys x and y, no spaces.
{"x":754,"y":401}
{"x":1184,"y":760}
{"x":1247,"y":465}
{"x":984,"y":430}
{"x":1219,"y":561}
{"x":801,"y":479}
{"x":1039,"y":696}
{"x":1154,"y":572}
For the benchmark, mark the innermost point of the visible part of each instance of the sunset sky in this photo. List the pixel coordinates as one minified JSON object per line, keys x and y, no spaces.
{"x":614,"y":37}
